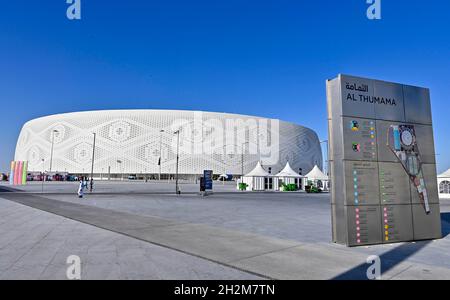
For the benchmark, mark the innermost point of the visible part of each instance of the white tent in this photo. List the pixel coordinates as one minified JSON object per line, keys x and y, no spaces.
{"x":316,"y":174}
{"x":223,"y":177}
{"x":256,"y":180}
{"x":318,"y":178}
{"x":446,"y":174}
{"x":288,"y":172}
{"x":289,"y":176}
{"x":444,"y":184}
{"x":258,"y":171}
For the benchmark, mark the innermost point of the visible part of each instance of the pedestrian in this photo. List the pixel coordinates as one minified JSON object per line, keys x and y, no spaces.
{"x":81,"y":189}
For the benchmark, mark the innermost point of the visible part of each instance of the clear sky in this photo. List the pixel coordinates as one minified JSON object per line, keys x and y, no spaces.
{"x":257,"y":57}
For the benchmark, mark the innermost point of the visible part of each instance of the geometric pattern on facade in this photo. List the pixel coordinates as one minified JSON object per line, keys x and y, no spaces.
{"x":129,"y":141}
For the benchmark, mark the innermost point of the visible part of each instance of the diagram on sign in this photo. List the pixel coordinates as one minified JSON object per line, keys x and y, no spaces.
{"x":401,"y":139}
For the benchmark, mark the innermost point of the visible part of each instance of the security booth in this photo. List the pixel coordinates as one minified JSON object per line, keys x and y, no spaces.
{"x":289,"y":176}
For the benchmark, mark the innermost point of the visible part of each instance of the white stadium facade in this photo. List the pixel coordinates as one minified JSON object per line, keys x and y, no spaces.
{"x":147,"y":142}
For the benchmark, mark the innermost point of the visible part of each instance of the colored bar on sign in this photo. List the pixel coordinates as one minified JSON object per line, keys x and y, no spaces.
{"x":24,"y":172}
{"x":11,"y":174}
{"x":19,"y":173}
{"x":396,"y":132}
{"x":16,"y":173}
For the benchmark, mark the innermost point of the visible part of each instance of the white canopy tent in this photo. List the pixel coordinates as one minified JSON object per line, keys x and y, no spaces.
{"x":318,"y":178}
{"x":257,"y":178}
{"x":289,"y":176}
{"x":223,"y":177}
{"x":444,"y":184}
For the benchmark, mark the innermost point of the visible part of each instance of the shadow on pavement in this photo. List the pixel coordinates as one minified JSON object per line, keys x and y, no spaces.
{"x":388,"y":260}
{"x":7,"y":189}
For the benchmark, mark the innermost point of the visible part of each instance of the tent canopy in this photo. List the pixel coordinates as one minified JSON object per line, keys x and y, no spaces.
{"x":316,"y":174}
{"x":446,"y":174}
{"x":288,"y":172}
{"x":258,"y":171}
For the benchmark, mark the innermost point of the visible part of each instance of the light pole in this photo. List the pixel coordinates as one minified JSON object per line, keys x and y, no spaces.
{"x":224,"y":163}
{"x":93,"y":159}
{"x":51,"y":152}
{"x":259,"y":146}
{"x":43,"y":178}
{"x":224,"y":156}
{"x":177,"y":191}
{"x":120,"y":164}
{"x":242,"y":161}
{"x":326,"y":157}
{"x":160,"y":153}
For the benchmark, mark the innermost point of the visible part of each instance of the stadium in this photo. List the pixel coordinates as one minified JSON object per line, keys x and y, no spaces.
{"x":125,"y":142}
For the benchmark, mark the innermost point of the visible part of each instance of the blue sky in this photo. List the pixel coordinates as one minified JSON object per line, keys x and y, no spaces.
{"x":265,"y":58}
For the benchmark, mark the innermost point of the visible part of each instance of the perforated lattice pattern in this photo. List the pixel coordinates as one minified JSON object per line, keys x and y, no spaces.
{"x":133,"y":137}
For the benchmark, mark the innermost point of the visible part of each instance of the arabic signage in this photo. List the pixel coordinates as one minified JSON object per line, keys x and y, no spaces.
{"x":382,"y":162}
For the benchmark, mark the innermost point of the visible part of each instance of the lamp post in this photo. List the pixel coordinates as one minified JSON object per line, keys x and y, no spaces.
{"x":242,"y":160}
{"x":326,"y":157}
{"x":43,"y":177}
{"x":51,"y":152}
{"x":224,"y":155}
{"x":120,"y":164}
{"x":160,"y":153}
{"x":224,"y":163}
{"x":177,"y":191}
{"x":93,"y":159}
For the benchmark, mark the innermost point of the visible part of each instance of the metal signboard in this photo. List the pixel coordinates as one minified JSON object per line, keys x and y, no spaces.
{"x":381,"y":162}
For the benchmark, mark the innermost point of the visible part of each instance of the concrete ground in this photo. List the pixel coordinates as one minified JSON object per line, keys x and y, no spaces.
{"x":35,"y":245}
{"x":138,"y":230}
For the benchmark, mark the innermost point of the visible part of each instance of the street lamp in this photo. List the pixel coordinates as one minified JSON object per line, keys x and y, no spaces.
{"x":326,"y":157}
{"x":120,"y":164}
{"x":160,"y":153}
{"x":177,"y":191}
{"x":260,"y":136}
{"x":51,"y":152}
{"x":93,"y":158}
{"x":242,"y":161}
{"x":224,"y":155}
{"x":42,"y":177}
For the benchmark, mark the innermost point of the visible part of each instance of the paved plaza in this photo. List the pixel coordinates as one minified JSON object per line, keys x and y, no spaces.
{"x":137,"y":230}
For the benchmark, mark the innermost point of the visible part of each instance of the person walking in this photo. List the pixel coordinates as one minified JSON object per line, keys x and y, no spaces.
{"x":81,"y":188}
